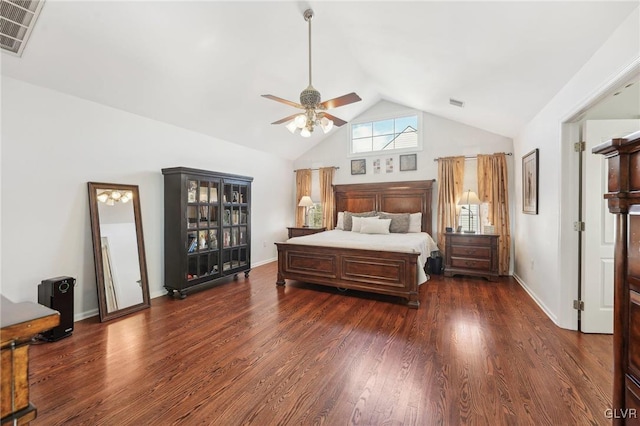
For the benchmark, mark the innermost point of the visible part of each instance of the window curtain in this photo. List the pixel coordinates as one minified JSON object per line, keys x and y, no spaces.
{"x":326,"y":196}
{"x":303,"y":187}
{"x":450,"y":181}
{"x":493,"y":189}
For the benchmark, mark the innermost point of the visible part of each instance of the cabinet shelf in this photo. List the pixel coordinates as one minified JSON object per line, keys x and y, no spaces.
{"x":196,"y":218}
{"x":202,"y":251}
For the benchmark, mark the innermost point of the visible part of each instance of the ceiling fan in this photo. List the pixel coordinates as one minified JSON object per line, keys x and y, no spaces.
{"x":314,"y":111}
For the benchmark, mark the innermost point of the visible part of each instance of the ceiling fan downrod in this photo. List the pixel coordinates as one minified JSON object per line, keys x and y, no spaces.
{"x":310,"y":97}
{"x":308,"y":16}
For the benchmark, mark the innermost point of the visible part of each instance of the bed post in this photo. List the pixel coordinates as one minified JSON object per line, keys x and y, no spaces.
{"x":412,"y":279}
{"x":280,"y":281}
{"x":413,"y":300}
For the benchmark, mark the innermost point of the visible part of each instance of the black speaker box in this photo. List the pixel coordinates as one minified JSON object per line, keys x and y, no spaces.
{"x":435,"y":265}
{"x":57,"y":294}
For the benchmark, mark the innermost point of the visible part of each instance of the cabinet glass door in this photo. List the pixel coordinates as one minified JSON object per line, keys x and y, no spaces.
{"x":235,"y":219}
{"x":203,"y":248}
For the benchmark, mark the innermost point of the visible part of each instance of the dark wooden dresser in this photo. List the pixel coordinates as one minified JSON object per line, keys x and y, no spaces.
{"x":471,"y":254}
{"x":623,"y":197}
{"x":20,"y":322}
{"x":303,"y":230}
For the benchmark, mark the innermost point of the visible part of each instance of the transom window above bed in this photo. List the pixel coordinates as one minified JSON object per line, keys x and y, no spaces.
{"x":390,"y":134}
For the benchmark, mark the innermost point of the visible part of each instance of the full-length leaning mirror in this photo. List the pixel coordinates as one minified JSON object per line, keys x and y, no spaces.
{"x":118,"y":249}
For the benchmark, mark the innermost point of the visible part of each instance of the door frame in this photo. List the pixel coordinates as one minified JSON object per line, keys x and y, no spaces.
{"x":571,"y":132}
{"x":598,"y":239}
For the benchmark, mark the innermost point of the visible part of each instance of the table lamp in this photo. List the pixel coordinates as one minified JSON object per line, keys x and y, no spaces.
{"x":306,"y":202}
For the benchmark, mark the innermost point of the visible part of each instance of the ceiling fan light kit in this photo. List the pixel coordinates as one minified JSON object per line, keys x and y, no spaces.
{"x":310,"y":101}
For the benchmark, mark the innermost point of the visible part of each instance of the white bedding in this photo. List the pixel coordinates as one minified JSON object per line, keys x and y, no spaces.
{"x":415,"y":242}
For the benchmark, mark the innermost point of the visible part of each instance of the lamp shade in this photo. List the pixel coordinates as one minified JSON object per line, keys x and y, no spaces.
{"x":305,"y":201}
{"x":469,"y":197}
{"x":292,"y":127}
{"x":300,"y":120}
{"x":326,"y":124}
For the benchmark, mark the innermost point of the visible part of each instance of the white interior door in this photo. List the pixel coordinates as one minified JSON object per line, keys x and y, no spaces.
{"x":598,"y":237}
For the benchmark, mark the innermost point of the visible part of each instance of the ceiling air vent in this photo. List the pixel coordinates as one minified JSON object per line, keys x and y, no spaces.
{"x":17,"y":18}
{"x":456,"y":102}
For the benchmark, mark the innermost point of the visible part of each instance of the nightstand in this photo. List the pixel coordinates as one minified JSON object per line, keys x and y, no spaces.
{"x":471,"y":254}
{"x":301,"y":231}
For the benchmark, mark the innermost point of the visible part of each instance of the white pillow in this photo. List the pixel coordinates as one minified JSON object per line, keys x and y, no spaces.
{"x":370,"y":225}
{"x":356,"y":222}
{"x":415,"y":222}
{"x":340,"y":224}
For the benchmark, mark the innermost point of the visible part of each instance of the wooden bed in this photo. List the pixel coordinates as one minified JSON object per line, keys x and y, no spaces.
{"x":383,"y":272}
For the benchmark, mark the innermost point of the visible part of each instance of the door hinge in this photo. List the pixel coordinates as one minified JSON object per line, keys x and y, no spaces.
{"x":579,"y":146}
{"x":578,"y":226}
{"x":578,"y":304}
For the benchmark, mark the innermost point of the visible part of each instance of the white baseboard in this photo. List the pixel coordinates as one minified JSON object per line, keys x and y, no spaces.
{"x":536,"y":299}
{"x":158,"y":293}
{"x":264,"y":262}
{"x":85,"y":315}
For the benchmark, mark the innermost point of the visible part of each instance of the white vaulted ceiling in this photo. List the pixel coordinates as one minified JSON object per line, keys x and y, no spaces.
{"x":203,"y":65}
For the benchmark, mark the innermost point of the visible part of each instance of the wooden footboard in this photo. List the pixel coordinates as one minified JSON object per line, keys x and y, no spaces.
{"x":391,"y":273}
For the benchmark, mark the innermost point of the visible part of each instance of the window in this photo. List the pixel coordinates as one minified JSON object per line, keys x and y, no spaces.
{"x":475,"y":218}
{"x":385,"y":135}
{"x":315,"y":215}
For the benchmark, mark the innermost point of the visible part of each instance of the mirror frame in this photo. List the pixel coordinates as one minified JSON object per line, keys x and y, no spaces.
{"x":97,"y":250}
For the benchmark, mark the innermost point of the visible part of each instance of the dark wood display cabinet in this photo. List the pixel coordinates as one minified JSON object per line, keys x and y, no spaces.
{"x":207,"y":228}
{"x":623,"y":199}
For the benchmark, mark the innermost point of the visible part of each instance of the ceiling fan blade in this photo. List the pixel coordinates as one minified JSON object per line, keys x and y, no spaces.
{"x":284,"y":120}
{"x":340,"y":101}
{"x":284,"y":101}
{"x":336,"y":121}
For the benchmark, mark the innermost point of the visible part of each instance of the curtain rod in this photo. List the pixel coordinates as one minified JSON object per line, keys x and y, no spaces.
{"x":335,"y":167}
{"x":472,"y":157}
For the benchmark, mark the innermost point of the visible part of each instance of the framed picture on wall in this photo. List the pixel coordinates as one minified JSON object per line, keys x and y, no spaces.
{"x":359,"y":167}
{"x":408,"y":162}
{"x":530,"y":182}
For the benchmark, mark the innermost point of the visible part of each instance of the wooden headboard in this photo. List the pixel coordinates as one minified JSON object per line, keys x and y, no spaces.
{"x":390,"y":197}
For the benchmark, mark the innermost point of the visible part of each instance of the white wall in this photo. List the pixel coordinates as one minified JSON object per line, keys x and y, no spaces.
{"x":545,"y":244}
{"x":53,"y":144}
{"x":441,"y":138}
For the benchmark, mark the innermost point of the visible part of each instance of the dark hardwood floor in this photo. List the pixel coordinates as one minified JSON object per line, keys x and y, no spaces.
{"x":248,"y":352}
